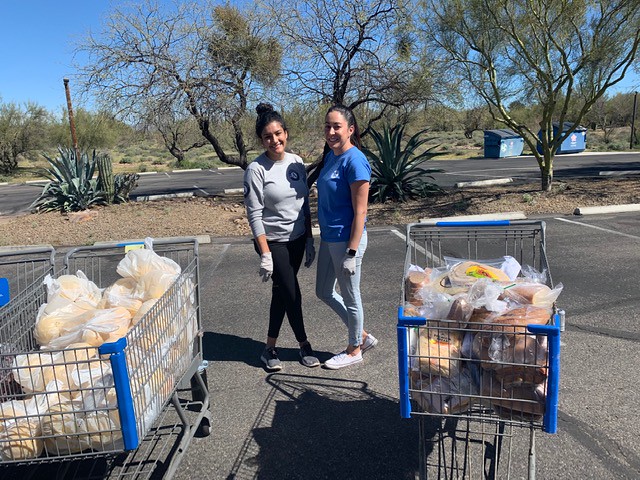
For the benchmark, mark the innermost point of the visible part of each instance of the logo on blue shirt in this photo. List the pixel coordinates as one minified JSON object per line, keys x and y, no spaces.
{"x":335,"y":174}
{"x":294,"y":176}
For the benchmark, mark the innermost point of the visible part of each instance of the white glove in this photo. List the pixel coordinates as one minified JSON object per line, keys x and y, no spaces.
{"x":309,"y":253}
{"x":348,"y":265}
{"x":266,"y":266}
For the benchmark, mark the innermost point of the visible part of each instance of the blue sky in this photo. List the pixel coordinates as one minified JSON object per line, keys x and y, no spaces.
{"x":38,"y":38}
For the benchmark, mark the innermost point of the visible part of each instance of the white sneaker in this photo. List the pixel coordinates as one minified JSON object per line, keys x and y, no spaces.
{"x":343,"y":359}
{"x":368,"y":343}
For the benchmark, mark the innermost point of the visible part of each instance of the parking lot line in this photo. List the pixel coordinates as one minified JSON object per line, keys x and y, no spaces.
{"x":599,"y":228}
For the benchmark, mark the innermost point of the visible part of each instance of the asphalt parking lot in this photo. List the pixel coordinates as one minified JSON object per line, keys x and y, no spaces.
{"x":305,"y":423}
{"x":322,"y":424}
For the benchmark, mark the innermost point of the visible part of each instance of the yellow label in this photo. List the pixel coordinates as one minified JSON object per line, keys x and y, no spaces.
{"x":133,"y":246}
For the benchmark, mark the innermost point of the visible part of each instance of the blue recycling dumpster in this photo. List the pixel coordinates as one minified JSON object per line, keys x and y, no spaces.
{"x":502,"y":143}
{"x":575,"y":143}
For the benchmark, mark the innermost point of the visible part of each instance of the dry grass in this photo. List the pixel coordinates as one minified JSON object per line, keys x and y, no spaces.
{"x":225,"y":217}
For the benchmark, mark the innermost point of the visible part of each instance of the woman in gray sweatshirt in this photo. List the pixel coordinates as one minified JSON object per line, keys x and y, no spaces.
{"x":276,"y":198}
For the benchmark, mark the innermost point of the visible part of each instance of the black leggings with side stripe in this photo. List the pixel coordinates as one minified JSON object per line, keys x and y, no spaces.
{"x":285,"y":290}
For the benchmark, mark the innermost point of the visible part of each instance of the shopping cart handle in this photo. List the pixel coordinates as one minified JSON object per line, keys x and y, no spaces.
{"x":117,"y":357}
{"x":477,"y":223}
{"x":550,"y":420}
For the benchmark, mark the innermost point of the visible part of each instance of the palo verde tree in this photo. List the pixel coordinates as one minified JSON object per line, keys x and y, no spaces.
{"x":21,"y":130}
{"x":556,"y":55}
{"x":209,"y":58}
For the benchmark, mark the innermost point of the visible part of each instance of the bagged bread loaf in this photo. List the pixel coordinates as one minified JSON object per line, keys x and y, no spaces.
{"x":466,"y":273}
{"x":415,"y":281}
{"x":525,"y":401}
{"x":529,"y":293}
{"x":515,"y":359}
{"x":515,"y":320}
{"x":446,"y":395}
{"x":438,"y":356}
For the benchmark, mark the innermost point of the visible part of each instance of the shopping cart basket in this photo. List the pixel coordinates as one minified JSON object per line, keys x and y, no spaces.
{"x":477,"y":379}
{"x":23,"y":267}
{"x":84,"y":402}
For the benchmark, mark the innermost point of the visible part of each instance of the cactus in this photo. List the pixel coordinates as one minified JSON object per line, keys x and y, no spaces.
{"x":105,"y":177}
{"x":124,"y":184}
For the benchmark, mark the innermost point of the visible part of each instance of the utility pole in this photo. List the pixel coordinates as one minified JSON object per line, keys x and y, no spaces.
{"x":633,"y":120}
{"x":72,"y":124}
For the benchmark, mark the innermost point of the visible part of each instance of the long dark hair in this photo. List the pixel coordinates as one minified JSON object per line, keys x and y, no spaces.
{"x":266,"y":115}
{"x":348,"y":115}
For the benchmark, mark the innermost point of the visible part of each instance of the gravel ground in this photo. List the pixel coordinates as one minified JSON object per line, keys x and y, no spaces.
{"x":225,"y":216}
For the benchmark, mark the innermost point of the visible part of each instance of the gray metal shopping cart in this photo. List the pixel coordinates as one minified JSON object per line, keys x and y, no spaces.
{"x":106,"y":411}
{"x":477,"y":386}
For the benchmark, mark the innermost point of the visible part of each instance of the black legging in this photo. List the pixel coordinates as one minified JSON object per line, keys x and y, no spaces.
{"x":285,"y":290}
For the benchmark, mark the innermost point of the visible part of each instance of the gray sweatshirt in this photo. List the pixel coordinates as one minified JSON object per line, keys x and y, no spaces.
{"x":276,"y":197}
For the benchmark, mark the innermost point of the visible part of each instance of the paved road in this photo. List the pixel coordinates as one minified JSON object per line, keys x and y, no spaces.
{"x":17,"y":198}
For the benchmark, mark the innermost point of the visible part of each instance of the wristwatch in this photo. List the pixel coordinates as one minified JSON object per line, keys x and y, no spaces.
{"x":351,"y":252}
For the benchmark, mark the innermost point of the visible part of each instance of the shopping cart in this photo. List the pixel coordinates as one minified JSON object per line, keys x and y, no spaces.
{"x":476,"y":383}
{"x":86,"y":405}
{"x":23,"y":267}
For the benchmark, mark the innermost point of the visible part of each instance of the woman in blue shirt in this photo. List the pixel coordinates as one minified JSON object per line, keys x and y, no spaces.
{"x":343,"y":192}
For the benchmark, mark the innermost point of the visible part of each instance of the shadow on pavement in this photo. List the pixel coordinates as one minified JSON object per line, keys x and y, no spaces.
{"x":320,"y":428}
{"x":222,"y":347}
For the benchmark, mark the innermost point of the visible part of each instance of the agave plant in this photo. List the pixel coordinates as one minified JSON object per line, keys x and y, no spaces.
{"x":72,"y":187}
{"x":397,"y":171}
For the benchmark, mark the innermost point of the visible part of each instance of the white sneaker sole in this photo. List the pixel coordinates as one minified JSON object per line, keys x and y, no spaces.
{"x":333,"y":366}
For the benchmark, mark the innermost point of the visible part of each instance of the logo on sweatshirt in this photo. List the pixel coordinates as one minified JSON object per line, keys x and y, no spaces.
{"x":294,"y":176}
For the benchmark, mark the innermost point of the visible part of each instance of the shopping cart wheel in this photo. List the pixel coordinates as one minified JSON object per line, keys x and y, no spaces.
{"x":204,"y":429}
{"x":196,"y":391}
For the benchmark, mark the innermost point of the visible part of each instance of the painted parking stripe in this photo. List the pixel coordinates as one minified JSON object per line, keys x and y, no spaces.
{"x":599,"y":228}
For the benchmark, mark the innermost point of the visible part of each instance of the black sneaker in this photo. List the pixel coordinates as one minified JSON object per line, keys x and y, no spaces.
{"x":307,"y":357}
{"x":270,"y":359}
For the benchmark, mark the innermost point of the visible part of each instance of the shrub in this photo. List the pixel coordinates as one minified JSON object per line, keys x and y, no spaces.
{"x":396,"y":171}
{"x":72,"y":187}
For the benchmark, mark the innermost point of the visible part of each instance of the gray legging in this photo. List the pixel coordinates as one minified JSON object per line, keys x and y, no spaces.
{"x":348,"y":305}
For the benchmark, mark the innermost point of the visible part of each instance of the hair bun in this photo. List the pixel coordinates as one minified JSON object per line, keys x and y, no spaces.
{"x":263,"y":108}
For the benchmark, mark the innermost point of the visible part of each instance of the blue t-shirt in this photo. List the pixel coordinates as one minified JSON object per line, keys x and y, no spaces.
{"x":335,"y":211}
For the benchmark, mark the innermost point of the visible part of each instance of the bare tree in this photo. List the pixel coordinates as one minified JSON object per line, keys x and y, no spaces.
{"x":555,"y":54}
{"x":360,"y":54}
{"x":208,"y":58}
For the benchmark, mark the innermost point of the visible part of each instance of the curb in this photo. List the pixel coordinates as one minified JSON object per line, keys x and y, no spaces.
{"x":629,"y":207}
{"x":618,"y":173}
{"x":231,"y":191}
{"x":480,"y":183}
{"x":148,"y":198}
{"x":476,"y":218}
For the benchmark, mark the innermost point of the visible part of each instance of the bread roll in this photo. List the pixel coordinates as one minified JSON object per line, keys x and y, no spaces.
{"x":21,"y":441}
{"x":64,"y":429}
